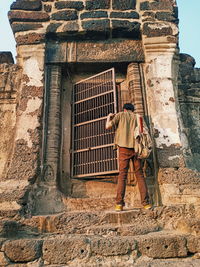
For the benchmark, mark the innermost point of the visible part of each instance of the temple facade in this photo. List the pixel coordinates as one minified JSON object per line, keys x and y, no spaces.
{"x":76,"y":62}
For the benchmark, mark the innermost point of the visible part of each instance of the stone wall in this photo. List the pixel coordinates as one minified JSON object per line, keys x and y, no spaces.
{"x":189,"y":98}
{"x":51,"y":34}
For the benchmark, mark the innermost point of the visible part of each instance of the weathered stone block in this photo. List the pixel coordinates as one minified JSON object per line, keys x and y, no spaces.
{"x":166,"y":16}
{"x":70,"y":27}
{"x":22,"y":250}
{"x":94,"y":14}
{"x":96,"y":25}
{"x":109,"y":51}
{"x":27,"y":16}
{"x":78,"y":5}
{"x":65,"y":15}
{"x":162,"y":5}
{"x":126,"y":15}
{"x":112,"y":246}
{"x":21,"y":27}
{"x":31,"y":38}
{"x":6,"y":57}
{"x":125,"y":28}
{"x":53,"y":27}
{"x":163,"y":246}
{"x":155,"y":30}
{"x":3,"y":260}
{"x":27,"y":5}
{"x":145,"y":6}
{"x":124,"y":5}
{"x":96,"y":4}
{"x":47,"y":8}
{"x":61,"y":251}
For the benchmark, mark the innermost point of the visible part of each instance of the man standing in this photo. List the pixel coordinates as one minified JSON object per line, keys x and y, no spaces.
{"x":125,"y":123}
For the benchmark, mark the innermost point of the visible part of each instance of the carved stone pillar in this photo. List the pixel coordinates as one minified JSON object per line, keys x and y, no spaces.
{"x":52,"y":125}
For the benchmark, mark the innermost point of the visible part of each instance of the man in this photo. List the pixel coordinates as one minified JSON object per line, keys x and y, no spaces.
{"x":125,"y":123}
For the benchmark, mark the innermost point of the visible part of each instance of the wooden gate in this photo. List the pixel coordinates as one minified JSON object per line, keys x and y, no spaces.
{"x":92,"y":145}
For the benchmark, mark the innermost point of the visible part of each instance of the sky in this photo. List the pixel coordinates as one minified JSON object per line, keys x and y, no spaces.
{"x":189,"y":32}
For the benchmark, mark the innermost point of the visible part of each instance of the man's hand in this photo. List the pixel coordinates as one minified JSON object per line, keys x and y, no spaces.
{"x":109,"y":119}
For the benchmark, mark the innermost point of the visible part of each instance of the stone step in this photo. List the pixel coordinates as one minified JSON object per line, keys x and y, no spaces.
{"x":90,"y":250}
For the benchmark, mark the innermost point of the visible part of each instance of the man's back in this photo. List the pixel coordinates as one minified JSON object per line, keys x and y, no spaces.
{"x":125,"y":123}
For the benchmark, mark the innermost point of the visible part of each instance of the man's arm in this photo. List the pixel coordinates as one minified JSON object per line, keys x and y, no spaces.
{"x":109,"y":120}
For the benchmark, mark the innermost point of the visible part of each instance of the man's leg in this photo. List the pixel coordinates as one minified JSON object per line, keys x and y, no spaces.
{"x":124,"y":157}
{"x":141,"y":181}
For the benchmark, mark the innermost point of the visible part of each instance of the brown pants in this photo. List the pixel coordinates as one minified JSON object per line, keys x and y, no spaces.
{"x":125,"y":155}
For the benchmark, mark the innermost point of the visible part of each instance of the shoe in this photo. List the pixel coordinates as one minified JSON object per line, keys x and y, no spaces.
{"x":119,"y":207}
{"x":147,"y":207}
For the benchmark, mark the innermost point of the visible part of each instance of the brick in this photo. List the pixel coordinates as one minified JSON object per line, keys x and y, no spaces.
{"x":27,"y":16}
{"x":22,"y":250}
{"x":124,"y":5}
{"x":161,"y":5}
{"x":53,"y":27}
{"x":47,"y":8}
{"x":78,"y":5}
{"x":126,"y":15}
{"x":21,"y":27}
{"x":27,"y":5}
{"x":165,"y":16}
{"x":31,"y":38}
{"x":70,"y":27}
{"x":145,"y":6}
{"x":65,"y":15}
{"x":96,"y":4}
{"x":6,"y":57}
{"x":154,"y":30}
{"x":96,"y":25}
{"x":94,"y":14}
{"x":61,"y":251}
{"x":125,"y":28}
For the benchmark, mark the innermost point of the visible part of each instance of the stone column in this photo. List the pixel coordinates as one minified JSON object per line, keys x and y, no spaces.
{"x":160,"y":74}
{"x":52,"y":125}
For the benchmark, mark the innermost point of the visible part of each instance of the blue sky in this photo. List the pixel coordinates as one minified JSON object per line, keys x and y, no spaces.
{"x":189,"y":38}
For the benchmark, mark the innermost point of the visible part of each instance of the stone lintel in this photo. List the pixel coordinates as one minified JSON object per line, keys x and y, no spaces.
{"x":117,"y":50}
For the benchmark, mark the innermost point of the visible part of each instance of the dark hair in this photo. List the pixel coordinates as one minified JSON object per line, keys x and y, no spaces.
{"x":129,"y":106}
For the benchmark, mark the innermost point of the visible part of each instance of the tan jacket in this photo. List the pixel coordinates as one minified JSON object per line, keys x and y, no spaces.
{"x":126,"y":128}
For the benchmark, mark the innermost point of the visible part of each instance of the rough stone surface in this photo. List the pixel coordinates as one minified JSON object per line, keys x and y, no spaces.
{"x":65,"y":15}
{"x":162,"y":247}
{"x":61,"y":251}
{"x":94,"y":14}
{"x":96,"y":4}
{"x":31,"y":38}
{"x":126,"y":15}
{"x":166,"y":16}
{"x":22,"y":250}
{"x":157,"y":5}
{"x":6,"y":57}
{"x":21,"y":27}
{"x":27,"y":16}
{"x":78,"y":5}
{"x":122,"y":28}
{"x":156,"y":30}
{"x":53,"y":27}
{"x":71,"y":27}
{"x":96,"y":25}
{"x":124,"y":5}
{"x":27,"y":5}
